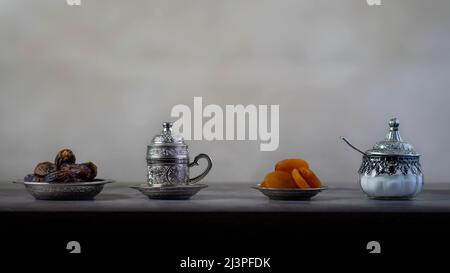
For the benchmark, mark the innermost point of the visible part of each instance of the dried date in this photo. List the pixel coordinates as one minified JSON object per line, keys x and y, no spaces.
{"x":65,"y":156}
{"x":32,"y":178}
{"x":93,"y":169}
{"x":44,"y":168}
{"x":63,"y":170}
{"x":59,"y":177}
{"x":78,"y":171}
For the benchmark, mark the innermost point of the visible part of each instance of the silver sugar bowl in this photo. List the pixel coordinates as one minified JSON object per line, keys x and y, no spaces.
{"x":391,"y":169}
{"x":168,"y":160}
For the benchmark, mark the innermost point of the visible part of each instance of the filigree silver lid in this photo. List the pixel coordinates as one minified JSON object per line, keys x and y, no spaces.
{"x":166,"y":137}
{"x":393,"y":144}
{"x":167,"y":146}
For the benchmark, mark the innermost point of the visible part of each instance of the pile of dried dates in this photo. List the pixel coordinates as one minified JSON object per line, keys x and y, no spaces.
{"x":63,"y":170}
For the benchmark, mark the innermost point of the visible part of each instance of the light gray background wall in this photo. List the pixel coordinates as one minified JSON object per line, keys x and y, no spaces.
{"x":100,"y":78}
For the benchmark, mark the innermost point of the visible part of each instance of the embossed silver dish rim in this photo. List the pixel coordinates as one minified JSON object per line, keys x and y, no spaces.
{"x":258,"y":187}
{"x":89,"y":183}
{"x":169,"y":188}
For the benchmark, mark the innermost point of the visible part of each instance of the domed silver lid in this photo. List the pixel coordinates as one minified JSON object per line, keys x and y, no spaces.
{"x":166,"y":137}
{"x":393,"y":144}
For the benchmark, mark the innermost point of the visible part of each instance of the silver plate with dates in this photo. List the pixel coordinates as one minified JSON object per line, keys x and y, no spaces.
{"x":65,"y":191}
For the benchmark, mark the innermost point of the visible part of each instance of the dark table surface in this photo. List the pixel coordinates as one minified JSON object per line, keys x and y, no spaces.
{"x":225,"y":219}
{"x":228,"y":197}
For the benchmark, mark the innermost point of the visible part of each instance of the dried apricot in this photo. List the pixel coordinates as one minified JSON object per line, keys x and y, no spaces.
{"x":264,"y":184}
{"x":289,"y":164}
{"x":279,"y":180}
{"x":299,"y":180}
{"x":311,"y":178}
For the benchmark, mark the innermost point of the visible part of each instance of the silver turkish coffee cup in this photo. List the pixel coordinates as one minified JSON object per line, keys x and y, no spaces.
{"x":168,"y":160}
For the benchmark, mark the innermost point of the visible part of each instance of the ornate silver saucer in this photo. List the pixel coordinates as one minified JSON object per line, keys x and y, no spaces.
{"x":181,"y":192}
{"x":294,"y":194}
{"x":65,"y":191}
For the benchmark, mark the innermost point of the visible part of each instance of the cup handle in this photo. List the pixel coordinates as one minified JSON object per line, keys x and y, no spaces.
{"x":195,"y":163}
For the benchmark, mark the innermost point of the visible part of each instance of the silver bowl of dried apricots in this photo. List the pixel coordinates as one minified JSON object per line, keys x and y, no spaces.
{"x":292,"y":180}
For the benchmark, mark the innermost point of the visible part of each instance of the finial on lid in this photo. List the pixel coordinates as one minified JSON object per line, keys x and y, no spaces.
{"x":167,"y":126}
{"x":394,"y":123}
{"x":394,"y":134}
